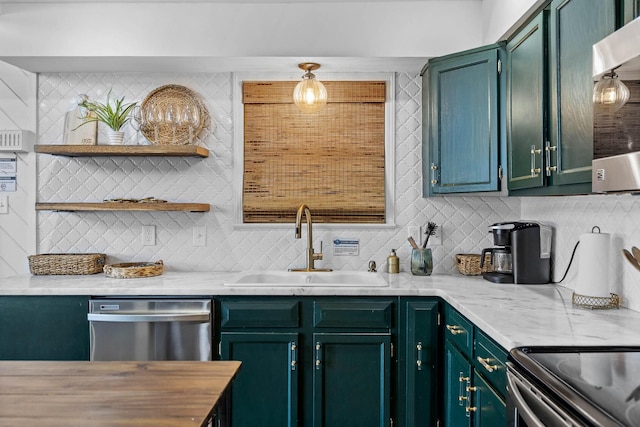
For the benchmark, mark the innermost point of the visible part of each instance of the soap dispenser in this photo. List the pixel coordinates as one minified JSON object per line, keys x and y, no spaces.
{"x":393,"y":262}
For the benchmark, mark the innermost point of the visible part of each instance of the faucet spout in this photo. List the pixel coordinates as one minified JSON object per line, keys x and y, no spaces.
{"x":311,"y":254}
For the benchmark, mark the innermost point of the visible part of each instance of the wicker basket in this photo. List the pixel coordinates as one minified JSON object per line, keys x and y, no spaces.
{"x":469,"y":264}
{"x":134,"y":270}
{"x":66,"y":263}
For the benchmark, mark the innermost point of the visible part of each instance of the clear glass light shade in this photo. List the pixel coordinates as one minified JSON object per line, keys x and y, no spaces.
{"x":310,"y":96}
{"x":610,"y":94}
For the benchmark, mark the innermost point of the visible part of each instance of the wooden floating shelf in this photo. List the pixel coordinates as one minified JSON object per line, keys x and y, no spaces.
{"x":124,"y":206}
{"x":122,"y":150}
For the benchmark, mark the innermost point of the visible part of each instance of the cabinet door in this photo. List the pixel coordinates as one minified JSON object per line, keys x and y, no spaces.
{"x":575,"y":25}
{"x":489,"y":410}
{"x":457,"y":376}
{"x":463,"y":118}
{"x":417,"y":360}
{"x":44,"y":328}
{"x":526,"y":105}
{"x":266,"y":388}
{"x":351,"y":380}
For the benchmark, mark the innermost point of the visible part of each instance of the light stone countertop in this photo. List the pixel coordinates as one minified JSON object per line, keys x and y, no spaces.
{"x":513,"y":315}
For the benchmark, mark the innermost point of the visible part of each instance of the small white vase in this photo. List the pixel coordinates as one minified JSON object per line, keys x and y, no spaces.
{"x":115,"y":137}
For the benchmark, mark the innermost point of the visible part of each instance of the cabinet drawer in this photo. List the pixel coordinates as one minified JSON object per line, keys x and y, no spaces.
{"x":489,"y":360}
{"x":459,"y":331}
{"x":352,"y":314}
{"x":260,"y":314}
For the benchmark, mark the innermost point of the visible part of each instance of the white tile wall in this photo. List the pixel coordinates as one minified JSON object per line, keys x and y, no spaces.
{"x":463,"y":220}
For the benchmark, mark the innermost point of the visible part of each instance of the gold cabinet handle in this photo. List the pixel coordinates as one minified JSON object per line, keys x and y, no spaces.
{"x":486,"y":365}
{"x":470,"y":409}
{"x":455,"y":330}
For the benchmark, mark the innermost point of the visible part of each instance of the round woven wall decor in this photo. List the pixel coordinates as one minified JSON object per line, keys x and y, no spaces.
{"x":154,"y":107}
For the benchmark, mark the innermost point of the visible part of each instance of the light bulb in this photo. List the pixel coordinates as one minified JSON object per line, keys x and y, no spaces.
{"x":309,"y":95}
{"x":610,"y":94}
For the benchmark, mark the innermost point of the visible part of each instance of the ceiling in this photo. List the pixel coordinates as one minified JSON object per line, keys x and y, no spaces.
{"x":215,"y":1}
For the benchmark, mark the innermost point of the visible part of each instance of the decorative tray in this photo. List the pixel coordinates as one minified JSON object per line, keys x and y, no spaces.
{"x":132,"y":270}
{"x":172,"y":115}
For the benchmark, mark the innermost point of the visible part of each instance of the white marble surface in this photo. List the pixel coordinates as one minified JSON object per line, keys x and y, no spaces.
{"x":513,"y":315}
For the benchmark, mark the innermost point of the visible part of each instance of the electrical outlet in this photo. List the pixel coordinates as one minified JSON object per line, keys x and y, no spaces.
{"x":149,"y":235}
{"x":200,"y":235}
{"x":436,"y":237}
{"x":414,"y":231}
{"x":4,"y":204}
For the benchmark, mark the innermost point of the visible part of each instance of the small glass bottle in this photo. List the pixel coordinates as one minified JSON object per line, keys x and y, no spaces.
{"x":393,"y":262}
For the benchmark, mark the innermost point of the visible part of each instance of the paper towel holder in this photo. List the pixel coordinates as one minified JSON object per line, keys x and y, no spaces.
{"x":593,"y":302}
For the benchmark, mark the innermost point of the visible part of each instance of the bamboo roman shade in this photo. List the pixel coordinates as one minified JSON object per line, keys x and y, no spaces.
{"x":332,"y":160}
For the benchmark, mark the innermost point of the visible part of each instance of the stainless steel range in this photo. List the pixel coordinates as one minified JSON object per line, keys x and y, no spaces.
{"x":574,"y":386}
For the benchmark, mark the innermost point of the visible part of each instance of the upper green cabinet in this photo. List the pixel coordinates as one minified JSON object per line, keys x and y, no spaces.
{"x":549,"y":97}
{"x":526,"y":105}
{"x":460,"y":122}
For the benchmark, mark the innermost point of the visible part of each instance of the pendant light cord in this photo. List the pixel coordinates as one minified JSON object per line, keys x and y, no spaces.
{"x":570,"y":261}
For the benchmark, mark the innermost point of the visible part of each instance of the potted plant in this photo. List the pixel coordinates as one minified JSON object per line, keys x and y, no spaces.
{"x":114,"y":114}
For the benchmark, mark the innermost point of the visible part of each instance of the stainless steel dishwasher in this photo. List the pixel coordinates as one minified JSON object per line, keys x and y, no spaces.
{"x":150,"y":329}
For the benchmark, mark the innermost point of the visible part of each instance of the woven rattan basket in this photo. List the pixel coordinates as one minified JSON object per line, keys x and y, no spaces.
{"x":469,"y":264}
{"x":134,"y":270}
{"x":66,"y":263}
{"x":160,"y":131}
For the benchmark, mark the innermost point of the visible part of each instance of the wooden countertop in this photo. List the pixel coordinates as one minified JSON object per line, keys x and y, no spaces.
{"x":132,"y":394}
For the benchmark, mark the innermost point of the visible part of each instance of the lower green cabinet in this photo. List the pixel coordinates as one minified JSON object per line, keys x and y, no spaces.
{"x":332,"y":361}
{"x":474,"y":377}
{"x":267,"y":386}
{"x":44,"y":328}
{"x":418,"y":348}
{"x":352,"y":379}
{"x":457,"y":373}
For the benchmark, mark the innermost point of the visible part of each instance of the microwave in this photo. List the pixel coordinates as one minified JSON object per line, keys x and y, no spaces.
{"x":616,"y":128}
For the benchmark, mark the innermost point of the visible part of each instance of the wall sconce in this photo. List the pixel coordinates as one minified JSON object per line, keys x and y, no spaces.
{"x":610,"y":94}
{"x":310,"y":96}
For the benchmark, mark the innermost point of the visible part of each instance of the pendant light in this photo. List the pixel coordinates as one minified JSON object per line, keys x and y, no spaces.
{"x":610,"y":94}
{"x":310,"y":96}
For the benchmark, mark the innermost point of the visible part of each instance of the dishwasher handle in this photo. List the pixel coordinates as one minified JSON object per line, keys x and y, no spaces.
{"x":202,"y":316}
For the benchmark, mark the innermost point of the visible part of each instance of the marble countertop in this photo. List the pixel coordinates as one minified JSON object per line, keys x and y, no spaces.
{"x":513,"y":315}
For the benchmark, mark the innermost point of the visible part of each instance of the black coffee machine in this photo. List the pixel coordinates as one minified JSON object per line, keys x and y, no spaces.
{"x":522,"y":253}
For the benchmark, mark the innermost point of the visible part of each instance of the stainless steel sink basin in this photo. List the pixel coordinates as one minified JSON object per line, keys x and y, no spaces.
{"x":303,"y":278}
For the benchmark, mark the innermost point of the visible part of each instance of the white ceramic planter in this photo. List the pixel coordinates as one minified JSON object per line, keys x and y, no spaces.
{"x":115,"y":137}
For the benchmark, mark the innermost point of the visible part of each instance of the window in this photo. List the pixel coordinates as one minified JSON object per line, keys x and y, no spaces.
{"x":336,"y":161}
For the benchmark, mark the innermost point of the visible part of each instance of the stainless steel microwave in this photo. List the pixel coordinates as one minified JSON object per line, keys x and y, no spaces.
{"x":616,"y":131}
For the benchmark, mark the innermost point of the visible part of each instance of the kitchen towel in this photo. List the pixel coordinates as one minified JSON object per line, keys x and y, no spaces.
{"x":593,"y":266}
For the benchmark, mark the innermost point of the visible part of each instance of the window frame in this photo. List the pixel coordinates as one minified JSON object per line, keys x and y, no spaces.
{"x":238,"y":145}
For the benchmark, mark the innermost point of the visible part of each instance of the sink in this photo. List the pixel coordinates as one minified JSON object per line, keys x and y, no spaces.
{"x":314,"y":278}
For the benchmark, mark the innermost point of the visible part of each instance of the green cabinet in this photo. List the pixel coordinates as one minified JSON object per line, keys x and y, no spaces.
{"x":418,"y":362}
{"x":549,"y":140}
{"x":309,"y":361}
{"x":474,"y":375}
{"x":44,"y":328}
{"x":352,"y":379}
{"x":461,"y":106}
{"x":267,"y":387}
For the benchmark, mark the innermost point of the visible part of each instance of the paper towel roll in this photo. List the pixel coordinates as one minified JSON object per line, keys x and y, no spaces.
{"x":593,"y":269}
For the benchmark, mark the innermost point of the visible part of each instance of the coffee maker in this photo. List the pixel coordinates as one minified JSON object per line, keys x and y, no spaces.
{"x":522,"y":253}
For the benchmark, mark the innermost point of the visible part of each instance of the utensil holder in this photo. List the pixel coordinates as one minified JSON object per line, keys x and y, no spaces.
{"x":421,"y":262}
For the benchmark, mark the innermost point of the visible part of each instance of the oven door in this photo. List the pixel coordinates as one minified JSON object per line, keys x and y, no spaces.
{"x":528,"y":406}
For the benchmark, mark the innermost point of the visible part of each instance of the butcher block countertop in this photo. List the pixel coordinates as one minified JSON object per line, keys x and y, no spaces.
{"x":101,"y":394}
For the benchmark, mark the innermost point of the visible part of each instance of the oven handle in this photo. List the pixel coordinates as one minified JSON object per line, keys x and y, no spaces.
{"x":203,"y":316}
{"x":524,"y":411}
